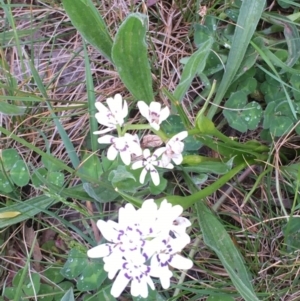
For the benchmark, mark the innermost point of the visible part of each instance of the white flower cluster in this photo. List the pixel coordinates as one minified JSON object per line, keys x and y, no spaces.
{"x":128,"y":144}
{"x":144,"y":243}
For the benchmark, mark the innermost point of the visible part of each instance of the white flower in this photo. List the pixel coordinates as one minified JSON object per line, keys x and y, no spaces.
{"x":168,"y":255}
{"x":126,"y":145}
{"x":113,"y":116}
{"x":153,"y":113}
{"x":174,"y":149}
{"x":138,"y":236}
{"x":134,"y":270}
{"x":148,"y":163}
{"x":129,"y":234}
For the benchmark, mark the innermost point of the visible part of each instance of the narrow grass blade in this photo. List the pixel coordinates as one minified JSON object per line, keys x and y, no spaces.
{"x":291,"y":34}
{"x":249,"y":16}
{"x":11,"y":110}
{"x":216,"y":237}
{"x":131,"y":58}
{"x":63,"y":134}
{"x":195,"y":64}
{"x":87,"y":20}
{"x":91,"y":101}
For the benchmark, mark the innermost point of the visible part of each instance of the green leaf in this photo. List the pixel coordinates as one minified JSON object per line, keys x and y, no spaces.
{"x":277,"y":118}
{"x":11,"y":110}
{"x":124,"y":180}
{"x":130,"y":56}
{"x":56,"y":178}
{"x":216,"y":237}
{"x":9,"y":158}
{"x":195,"y":64}
{"x":249,"y":16}
{"x":173,"y":125}
{"x":68,"y":296}
{"x":19,"y":173}
{"x":75,"y":264}
{"x":53,"y":274}
{"x":46,"y":292}
{"x":92,"y":277}
{"x":87,"y":20}
{"x":211,"y":167}
{"x":5,"y":185}
{"x":64,"y":286}
{"x":240,"y":115}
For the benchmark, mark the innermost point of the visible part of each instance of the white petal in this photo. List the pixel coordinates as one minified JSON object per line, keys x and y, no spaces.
{"x":164,"y":114}
{"x":146,"y":153}
{"x":112,"y":264}
{"x":107,"y":139}
{"x":165,"y":160}
{"x":180,"y":262}
{"x":124,"y":112}
{"x":144,"y":109}
{"x":155,"y":176}
{"x":143,"y":175}
{"x":165,"y":276}
{"x":177,"y":159}
{"x":139,"y":288}
{"x":108,"y":230}
{"x":137,"y":165}
{"x":155,"y":107}
{"x":112,"y":153}
{"x":99,"y":251}
{"x":119,"y":285}
{"x":106,"y":130}
{"x":126,"y":157}
{"x":126,"y":214}
{"x":158,"y":152}
{"x":100,"y":107}
{"x":180,"y":136}
{"x":155,"y":125}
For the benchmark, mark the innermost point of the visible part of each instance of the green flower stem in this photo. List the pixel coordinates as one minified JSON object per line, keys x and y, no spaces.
{"x":188,"y":201}
{"x":178,"y":107}
{"x":159,"y":133}
{"x":128,"y":127}
{"x":210,"y":95}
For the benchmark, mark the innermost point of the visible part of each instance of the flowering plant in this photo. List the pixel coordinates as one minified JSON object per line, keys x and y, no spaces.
{"x":128,"y":145}
{"x":144,"y":243}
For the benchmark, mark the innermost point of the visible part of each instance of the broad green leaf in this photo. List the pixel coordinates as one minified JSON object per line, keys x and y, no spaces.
{"x":53,"y":274}
{"x":87,"y":20}
{"x":216,"y":237}
{"x":277,"y":118}
{"x":130,"y":56}
{"x":56,"y":178}
{"x":11,"y":110}
{"x":9,"y":158}
{"x":19,"y":173}
{"x":46,"y":292}
{"x":32,"y":286}
{"x":65,"y":286}
{"x":173,"y":125}
{"x":249,"y":16}
{"x":9,"y":214}
{"x":240,"y":115}
{"x":195,"y":64}
{"x":75,"y":264}
{"x":68,"y":296}
{"x":5,"y":185}
{"x":91,"y":277}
